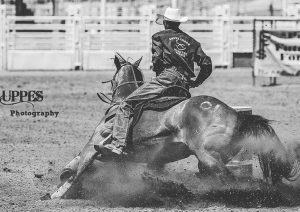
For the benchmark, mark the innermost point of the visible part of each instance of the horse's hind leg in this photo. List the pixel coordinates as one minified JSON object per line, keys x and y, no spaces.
{"x":207,"y":147}
{"x":211,"y":162}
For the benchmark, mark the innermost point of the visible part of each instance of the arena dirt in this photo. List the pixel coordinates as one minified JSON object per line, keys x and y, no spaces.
{"x":33,"y":150}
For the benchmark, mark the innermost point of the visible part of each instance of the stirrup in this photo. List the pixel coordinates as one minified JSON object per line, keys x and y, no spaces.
{"x":103,"y":142}
{"x":112,"y":151}
{"x":116,"y":150}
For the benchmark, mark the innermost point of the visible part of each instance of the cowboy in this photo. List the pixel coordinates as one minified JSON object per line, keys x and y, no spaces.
{"x":173,"y":56}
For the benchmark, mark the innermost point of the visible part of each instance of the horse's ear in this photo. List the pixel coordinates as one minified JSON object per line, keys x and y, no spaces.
{"x":137,"y":63}
{"x":119,"y":61}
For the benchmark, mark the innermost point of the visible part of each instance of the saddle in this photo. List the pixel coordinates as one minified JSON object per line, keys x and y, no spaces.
{"x":168,"y":98}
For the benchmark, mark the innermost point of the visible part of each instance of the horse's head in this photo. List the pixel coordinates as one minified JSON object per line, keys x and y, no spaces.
{"x":128,"y":77}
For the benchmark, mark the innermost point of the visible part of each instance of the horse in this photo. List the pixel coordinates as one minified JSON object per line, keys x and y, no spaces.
{"x":202,"y":126}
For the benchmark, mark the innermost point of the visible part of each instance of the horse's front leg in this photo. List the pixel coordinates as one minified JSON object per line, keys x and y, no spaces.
{"x":88,"y":153}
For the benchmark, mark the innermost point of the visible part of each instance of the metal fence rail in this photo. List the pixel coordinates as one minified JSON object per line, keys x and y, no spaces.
{"x":34,"y":43}
{"x":101,"y":37}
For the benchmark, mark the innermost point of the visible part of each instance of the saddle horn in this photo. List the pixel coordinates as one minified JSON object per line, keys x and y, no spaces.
{"x":137,"y":63}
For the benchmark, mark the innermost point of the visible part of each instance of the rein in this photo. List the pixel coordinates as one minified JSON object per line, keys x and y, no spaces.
{"x":126,"y":83}
{"x":103,"y":97}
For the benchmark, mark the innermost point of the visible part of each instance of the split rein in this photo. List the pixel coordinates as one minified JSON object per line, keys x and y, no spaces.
{"x":103,"y":97}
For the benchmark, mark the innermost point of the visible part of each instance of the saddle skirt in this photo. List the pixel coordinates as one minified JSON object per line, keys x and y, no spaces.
{"x":160,"y":104}
{"x":169,"y":97}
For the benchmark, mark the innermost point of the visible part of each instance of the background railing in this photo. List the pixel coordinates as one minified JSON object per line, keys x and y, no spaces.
{"x":101,"y":37}
{"x":38,"y":43}
{"x":89,"y":43}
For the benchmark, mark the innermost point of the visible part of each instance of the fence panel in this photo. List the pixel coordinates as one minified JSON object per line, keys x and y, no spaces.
{"x":242,"y":32}
{"x":35,"y":42}
{"x":212,"y":33}
{"x":102,"y":37}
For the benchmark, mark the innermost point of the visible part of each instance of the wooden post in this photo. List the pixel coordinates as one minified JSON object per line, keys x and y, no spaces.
{"x":148,"y":40}
{"x":103,"y":14}
{"x":55,"y":7}
{"x":73,"y":32}
{"x":3,"y":43}
{"x":174,"y":4}
{"x":103,"y":8}
{"x":77,"y":41}
{"x":221,"y":30}
{"x":254,"y":53}
{"x":284,"y":7}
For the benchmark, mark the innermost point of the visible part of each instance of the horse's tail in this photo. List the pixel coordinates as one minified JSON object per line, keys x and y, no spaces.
{"x":261,"y":139}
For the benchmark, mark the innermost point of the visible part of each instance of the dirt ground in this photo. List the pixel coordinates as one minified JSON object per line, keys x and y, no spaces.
{"x":34,"y":150}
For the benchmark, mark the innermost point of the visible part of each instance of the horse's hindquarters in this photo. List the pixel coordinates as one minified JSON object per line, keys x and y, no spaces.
{"x":154,"y":141}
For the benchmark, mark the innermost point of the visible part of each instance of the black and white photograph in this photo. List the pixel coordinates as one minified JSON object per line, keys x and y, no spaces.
{"x":149,"y":105}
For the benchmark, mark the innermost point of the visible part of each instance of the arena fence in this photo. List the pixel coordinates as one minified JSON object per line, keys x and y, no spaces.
{"x":72,"y":42}
{"x":38,"y":43}
{"x":213,"y":35}
{"x":88,"y":43}
{"x":101,"y":37}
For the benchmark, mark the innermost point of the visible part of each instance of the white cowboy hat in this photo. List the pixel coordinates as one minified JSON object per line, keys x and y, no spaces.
{"x":171,"y":14}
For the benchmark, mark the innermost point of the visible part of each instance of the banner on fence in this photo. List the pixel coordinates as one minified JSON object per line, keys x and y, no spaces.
{"x":277,"y":53}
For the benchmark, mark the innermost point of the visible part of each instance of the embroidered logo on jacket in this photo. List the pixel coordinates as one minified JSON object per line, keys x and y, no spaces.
{"x":180,"y":46}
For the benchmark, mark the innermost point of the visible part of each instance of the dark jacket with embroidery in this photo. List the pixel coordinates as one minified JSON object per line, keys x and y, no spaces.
{"x":175,"y":48}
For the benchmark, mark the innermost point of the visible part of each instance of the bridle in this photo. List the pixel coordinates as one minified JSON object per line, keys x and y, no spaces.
{"x":136,"y":82}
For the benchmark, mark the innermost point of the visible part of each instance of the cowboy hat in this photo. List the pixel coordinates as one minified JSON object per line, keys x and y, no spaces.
{"x":171,"y":14}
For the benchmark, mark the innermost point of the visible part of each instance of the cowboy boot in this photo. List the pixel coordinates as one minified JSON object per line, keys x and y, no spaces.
{"x":111,"y":149}
{"x":121,"y":126}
